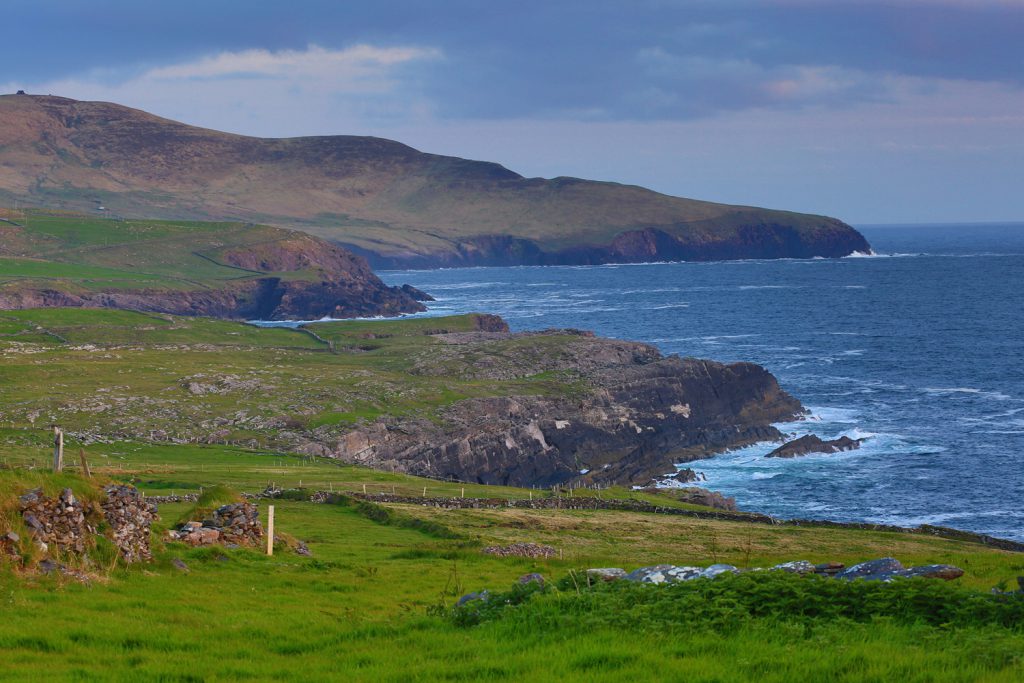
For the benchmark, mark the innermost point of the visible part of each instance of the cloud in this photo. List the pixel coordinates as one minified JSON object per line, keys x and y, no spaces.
{"x":315,"y":90}
{"x":357,"y":62}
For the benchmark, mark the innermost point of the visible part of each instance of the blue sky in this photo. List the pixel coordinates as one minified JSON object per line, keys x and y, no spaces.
{"x":903,"y":111}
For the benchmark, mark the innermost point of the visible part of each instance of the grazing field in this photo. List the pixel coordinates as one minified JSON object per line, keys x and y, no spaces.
{"x":373,"y":602}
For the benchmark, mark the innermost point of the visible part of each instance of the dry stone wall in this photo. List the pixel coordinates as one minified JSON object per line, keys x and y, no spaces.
{"x":64,"y":525}
{"x":130,"y":517}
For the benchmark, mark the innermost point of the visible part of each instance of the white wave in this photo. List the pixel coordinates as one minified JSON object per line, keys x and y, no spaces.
{"x":765,"y":475}
{"x":830,"y":415}
{"x":945,"y":391}
{"x":769,"y":287}
{"x":663,"y":306}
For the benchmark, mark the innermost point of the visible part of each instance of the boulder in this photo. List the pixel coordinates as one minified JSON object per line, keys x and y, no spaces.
{"x":663,"y":573}
{"x":814,"y":444}
{"x":532,"y":577}
{"x":470,"y":597}
{"x":606,"y":574}
{"x":945,"y":572}
{"x":796,"y":567}
{"x":829,"y":568}
{"x":716,"y":570}
{"x":873,"y":570}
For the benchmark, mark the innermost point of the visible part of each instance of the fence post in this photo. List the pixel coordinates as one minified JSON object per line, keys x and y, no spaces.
{"x":270,"y":530}
{"x":85,"y":464}
{"x":58,"y":449}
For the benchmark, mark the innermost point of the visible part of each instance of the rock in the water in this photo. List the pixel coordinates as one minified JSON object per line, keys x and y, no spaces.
{"x":797,"y":567}
{"x":814,"y":444}
{"x":687,"y":476}
{"x":606,"y":574}
{"x":873,"y":570}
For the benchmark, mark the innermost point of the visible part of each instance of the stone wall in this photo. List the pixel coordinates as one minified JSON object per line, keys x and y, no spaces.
{"x":130,"y":517}
{"x":66,"y":526}
{"x":57,"y":523}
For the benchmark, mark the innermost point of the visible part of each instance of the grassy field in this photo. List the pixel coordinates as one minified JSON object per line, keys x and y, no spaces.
{"x":372,"y":603}
{"x":120,"y":372}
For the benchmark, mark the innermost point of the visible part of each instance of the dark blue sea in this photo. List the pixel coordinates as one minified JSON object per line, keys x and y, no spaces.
{"x":919,"y":348}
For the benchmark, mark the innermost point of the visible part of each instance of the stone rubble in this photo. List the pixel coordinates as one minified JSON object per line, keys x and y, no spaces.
{"x":521,"y":550}
{"x":232,"y":524}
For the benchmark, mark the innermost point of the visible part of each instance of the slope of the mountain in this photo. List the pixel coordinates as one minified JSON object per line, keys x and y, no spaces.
{"x":393,"y":204}
{"x":225,"y":270}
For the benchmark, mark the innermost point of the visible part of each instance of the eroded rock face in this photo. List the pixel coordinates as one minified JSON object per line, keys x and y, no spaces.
{"x":635,"y":415}
{"x":814,"y":444}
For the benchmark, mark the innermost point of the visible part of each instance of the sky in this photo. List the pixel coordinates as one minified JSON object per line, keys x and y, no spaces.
{"x":873,"y":112}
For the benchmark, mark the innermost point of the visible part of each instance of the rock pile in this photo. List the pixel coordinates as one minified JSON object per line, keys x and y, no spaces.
{"x":59,"y":522}
{"x":521,"y":550}
{"x":885,"y":569}
{"x":233,"y":524}
{"x":130,"y":518}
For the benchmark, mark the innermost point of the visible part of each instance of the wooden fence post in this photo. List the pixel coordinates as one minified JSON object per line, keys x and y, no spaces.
{"x":270,"y":530}
{"x":85,"y":464}
{"x":58,"y":449}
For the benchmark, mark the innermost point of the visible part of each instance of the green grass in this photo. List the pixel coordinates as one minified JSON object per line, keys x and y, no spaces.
{"x":81,"y":253}
{"x":372,"y":603}
{"x":365,"y":607}
{"x":129,"y":373}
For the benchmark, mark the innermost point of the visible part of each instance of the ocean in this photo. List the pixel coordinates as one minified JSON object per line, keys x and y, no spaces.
{"x":919,"y":349}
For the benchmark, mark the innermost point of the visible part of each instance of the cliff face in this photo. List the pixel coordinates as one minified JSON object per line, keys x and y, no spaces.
{"x":254,"y":299}
{"x":393,"y":204}
{"x":633,"y":415}
{"x":226,"y":271}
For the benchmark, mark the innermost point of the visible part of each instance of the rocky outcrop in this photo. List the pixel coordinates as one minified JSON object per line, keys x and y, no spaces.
{"x":634,"y":415}
{"x":814,"y":444}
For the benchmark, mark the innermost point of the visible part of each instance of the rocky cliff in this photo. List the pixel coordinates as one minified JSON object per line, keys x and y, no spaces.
{"x":393,"y":204}
{"x":631,"y":414}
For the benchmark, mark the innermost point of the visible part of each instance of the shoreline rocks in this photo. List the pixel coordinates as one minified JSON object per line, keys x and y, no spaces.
{"x":812,"y":443}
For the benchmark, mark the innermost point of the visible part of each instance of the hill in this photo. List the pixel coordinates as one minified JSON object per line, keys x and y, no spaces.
{"x":397,"y":206}
{"x":229,"y":270}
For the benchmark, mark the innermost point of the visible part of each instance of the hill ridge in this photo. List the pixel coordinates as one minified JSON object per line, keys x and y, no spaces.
{"x":386,"y":200}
